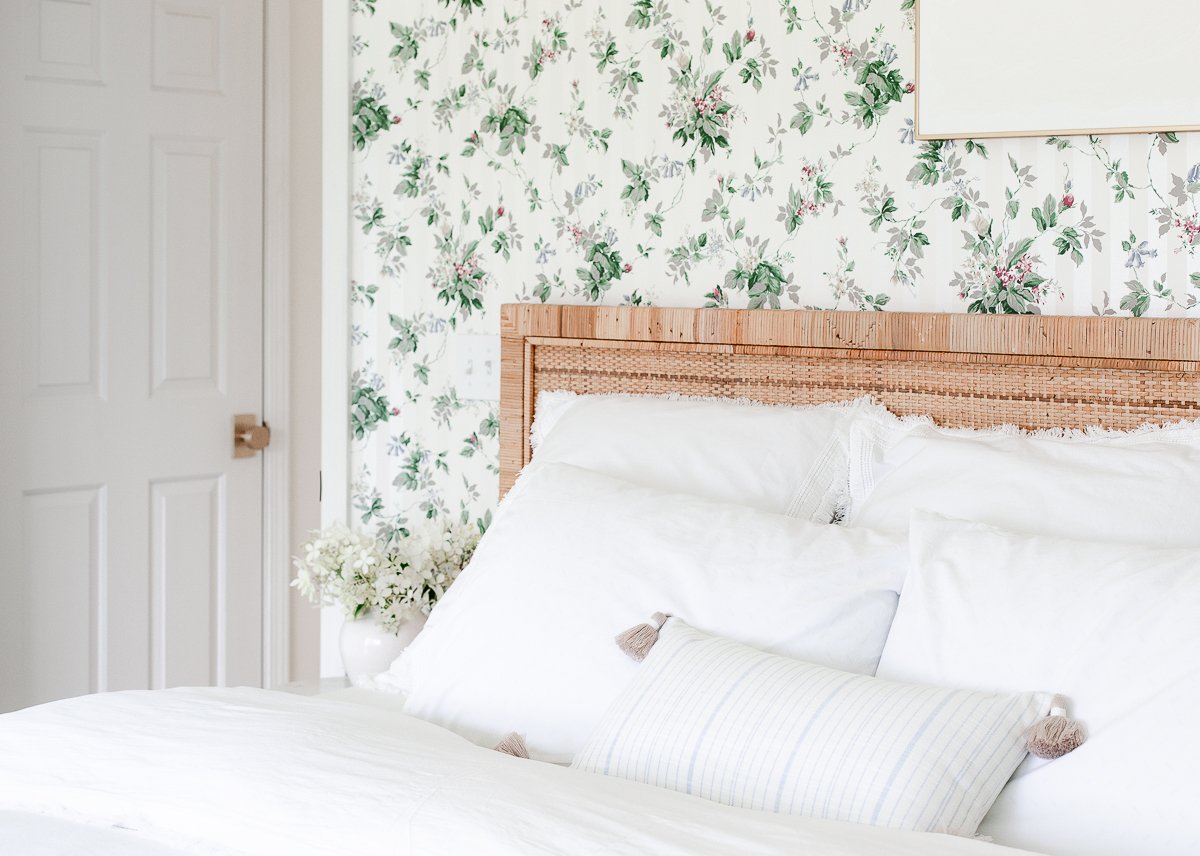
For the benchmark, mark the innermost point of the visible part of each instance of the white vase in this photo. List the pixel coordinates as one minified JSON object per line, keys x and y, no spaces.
{"x":367,"y":649}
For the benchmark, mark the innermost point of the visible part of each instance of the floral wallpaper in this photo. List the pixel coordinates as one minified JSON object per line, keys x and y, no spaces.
{"x":744,"y":153}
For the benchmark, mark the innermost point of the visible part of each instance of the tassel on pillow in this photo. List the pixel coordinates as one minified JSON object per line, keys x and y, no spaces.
{"x":637,"y":641}
{"x":1055,"y":735}
{"x":512,"y":744}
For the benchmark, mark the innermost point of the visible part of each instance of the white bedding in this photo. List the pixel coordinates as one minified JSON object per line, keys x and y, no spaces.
{"x":254,"y":771}
{"x":27,"y":834}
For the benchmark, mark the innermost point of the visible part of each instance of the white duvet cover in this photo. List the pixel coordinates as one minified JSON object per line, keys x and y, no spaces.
{"x":254,"y":771}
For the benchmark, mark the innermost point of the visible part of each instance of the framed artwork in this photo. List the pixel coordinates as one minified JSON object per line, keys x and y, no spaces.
{"x":1037,"y":68}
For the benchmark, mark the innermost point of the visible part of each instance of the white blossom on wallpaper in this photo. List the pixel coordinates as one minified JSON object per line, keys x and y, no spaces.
{"x":757,"y":153}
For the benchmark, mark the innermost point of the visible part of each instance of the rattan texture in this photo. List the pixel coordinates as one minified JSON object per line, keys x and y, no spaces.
{"x":956,"y":394}
{"x":962,"y":371}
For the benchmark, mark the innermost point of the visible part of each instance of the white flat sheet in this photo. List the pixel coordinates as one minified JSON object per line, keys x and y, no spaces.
{"x":255,"y":771}
{"x":26,"y":834}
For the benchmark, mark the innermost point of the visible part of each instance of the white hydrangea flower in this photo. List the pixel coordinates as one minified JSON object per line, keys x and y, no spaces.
{"x":339,"y":566}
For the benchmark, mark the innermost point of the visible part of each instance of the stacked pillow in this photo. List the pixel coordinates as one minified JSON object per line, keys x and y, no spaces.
{"x":1113,"y":627}
{"x":711,"y":508}
{"x":771,"y":458}
{"x":1078,"y":576}
{"x":524,"y":638}
{"x":1139,"y":487}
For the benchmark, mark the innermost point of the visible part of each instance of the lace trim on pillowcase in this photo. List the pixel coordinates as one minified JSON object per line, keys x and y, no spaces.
{"x":821,"y":493}
{"x":547,"y":410}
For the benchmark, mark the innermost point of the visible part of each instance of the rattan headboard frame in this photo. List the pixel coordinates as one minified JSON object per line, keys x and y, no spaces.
{"x":963,"y":370}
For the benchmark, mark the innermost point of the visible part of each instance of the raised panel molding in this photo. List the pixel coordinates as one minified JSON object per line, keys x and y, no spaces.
{"x":63,"y":305}
{"x":188,"y":332}
{"x":187,"y":581}
{"x":65,"y":583}
{"x":187,"y":46}
{"x":62,"y":40}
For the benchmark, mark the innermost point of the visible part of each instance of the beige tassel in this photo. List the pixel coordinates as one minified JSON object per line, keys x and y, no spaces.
{"x":637,"y":641}
{"x":513,"y":744}
{"x":1055,"y":735}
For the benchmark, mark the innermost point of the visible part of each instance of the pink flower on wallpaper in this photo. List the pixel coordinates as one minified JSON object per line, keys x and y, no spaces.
{"x":1015,"y":274}
{"x":1190,"y":226}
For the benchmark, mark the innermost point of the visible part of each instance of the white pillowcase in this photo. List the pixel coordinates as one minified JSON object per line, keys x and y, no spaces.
{"x":718,"y":719}
{"x":1142,"y":486}
{"x":772,"y":458}
{"x":1114,"y":628}
{"x":523,"y":641}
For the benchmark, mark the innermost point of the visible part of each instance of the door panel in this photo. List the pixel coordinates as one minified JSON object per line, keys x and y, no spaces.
{"x":63,"y":630}
{"x":187,"y":582}
{"x":130,"y":334}
{"x":63,"y":182}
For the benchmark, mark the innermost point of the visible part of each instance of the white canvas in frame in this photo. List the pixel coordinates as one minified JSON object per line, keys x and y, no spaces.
{"x":1037,"y":68}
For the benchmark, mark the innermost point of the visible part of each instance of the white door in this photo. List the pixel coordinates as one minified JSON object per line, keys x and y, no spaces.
{"x":130,"y":336}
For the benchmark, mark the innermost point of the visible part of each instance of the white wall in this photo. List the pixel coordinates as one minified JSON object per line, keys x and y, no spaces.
{"x":335,"y":269}
{"x":305,"y":320}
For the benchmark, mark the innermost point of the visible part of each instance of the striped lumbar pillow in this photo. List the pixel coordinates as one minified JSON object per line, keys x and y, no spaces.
{"x":718,"y":719}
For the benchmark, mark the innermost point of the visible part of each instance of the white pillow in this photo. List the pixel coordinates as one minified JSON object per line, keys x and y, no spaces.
{"x":1142,"y":486}
{"x":523,"y":641}
{"x":1111,"y":626}
{"x":718,"y":719}
{"x":772,"y":458}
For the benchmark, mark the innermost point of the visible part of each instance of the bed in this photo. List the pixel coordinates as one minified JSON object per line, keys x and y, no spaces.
{"x":254,"y":771}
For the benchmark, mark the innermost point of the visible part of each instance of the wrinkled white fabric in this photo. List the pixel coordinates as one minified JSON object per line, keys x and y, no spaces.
{"x":221,"y":771}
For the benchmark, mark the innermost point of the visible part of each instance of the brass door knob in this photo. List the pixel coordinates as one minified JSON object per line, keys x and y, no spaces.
{"x":257,"y":437}
{"x":248,"y":436}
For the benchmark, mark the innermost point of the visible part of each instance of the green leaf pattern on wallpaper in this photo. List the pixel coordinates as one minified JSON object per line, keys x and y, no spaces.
{"x":745,"y":153}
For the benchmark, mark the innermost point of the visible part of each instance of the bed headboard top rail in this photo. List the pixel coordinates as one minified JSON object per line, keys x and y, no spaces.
{"x":964,"y":370}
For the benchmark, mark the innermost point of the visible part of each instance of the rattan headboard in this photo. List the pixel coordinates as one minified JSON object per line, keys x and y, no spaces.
{"x":963,"y":370}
